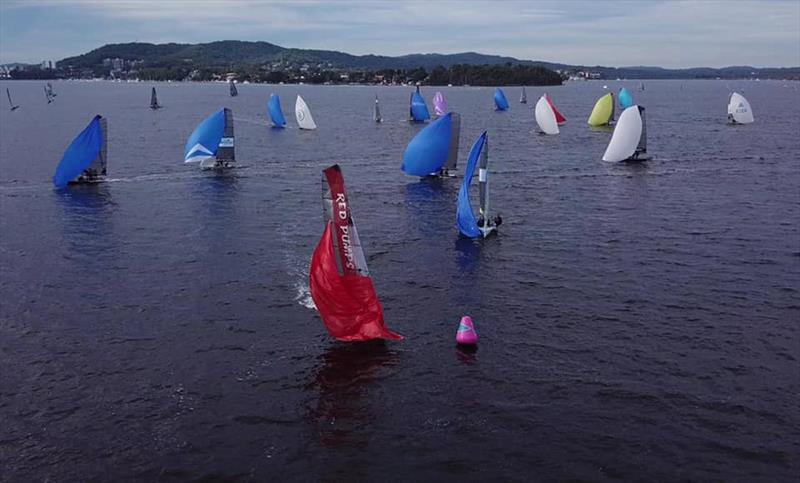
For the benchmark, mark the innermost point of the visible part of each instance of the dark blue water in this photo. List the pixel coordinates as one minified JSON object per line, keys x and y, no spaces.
{"x":636,"y":321}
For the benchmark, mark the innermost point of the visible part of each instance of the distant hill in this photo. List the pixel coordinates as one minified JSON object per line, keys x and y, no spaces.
{"x":234,"y":53}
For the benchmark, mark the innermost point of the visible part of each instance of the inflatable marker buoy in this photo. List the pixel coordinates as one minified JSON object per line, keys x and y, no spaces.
{"x":466,"y":334}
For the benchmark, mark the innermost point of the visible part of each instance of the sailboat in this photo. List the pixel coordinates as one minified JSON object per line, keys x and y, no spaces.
{"x":84,"y":161}
{"x":47,"y":95}
{"x":418,"y":110}
{"x":154,"y":99}
{"x":603,"y":112}
{"x":523,"y":98}
{"x":10,"y":103}
{"x":629,"y":140}
{"x":275,"y":112}
{"x":212,"y":143}
{"x":500,"y":101}
{"x":546,"y":116}
{"x":338,"y":277}
{"x":739,"y":111}
{"x":434,"y":150}
{"x":233,"y":90}
{"x":50,"y":92}
{"x":625,"y":98}
{"x":303,"y":114}
{"x":468,"y":225}
{"x":439,"y":104}
{"x":641,"y":86}
{"x":376,"y":115}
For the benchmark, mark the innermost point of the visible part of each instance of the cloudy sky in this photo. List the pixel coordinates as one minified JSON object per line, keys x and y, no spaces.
{"x":669,"y":33}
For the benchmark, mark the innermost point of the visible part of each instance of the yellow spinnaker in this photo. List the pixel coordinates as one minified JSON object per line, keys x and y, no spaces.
{"x":603,"y":111}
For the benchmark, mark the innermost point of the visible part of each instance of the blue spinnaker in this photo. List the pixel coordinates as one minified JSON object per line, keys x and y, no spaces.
{"x":275,"y":112}
{"x":426,"y":154}
{"x":80,"y":154}
{"x":625,"y":99}
{"x":500,"y":101}
{"x":465,"y":217}
{"x":418,"y":110}
{"x":204,"y":141}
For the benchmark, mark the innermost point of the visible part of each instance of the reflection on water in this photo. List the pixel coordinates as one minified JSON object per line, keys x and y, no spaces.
{"x":466,"y":353}
{"x":343,"y":380}
{"x":429,"y":204}
{"x":468,"y":252}
{"x":86,"y":218}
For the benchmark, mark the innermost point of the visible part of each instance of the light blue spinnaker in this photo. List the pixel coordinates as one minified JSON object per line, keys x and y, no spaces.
{"x":465,"y":218}
{"x":85,"y":149}
{"x":418,"y":111}
{"x":500,"y":101}
{"x":204,"y":141}
{"x":625,"y":99}
{"x":275,"y":112}
{"x":427,"y":153}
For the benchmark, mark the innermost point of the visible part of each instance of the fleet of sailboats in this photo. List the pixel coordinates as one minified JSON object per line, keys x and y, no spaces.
{"x":339,"y":280}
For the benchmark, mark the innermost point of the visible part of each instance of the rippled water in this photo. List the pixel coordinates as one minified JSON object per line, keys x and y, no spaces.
{"x":636,"y":321}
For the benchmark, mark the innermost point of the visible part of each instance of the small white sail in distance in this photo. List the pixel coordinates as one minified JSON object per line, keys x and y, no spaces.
{"x":739,"y":111}
{"x":545,"y":117}
{"x":303,"y":114}
{"x":626,"y":136}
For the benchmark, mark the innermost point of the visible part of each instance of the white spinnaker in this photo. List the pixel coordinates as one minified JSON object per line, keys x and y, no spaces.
{"x":625,"y":137}
{"x":303,"y":114}
{"x":545,"y":117}
{"x":739,"y":109}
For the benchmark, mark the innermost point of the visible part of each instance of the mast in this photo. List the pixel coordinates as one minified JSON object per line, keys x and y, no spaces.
{"x":153,"y":99}
{"x":452,"y":151}
{"x":225,"y":152}
{"x":483,"y":186}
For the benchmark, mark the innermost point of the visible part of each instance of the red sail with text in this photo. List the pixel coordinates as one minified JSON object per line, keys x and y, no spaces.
{"x":343,"y":293}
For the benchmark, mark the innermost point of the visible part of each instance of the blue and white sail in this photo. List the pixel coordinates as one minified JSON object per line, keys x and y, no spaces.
{"x":85,"y":159}
{"x":275,"y":112}
{"x":212,"y":143}
{"x":500,"y":101}
{"x":468,"y":224}
{"x":434,"y":150}
{"x":625,"y":98}
{"x":418,"y":110}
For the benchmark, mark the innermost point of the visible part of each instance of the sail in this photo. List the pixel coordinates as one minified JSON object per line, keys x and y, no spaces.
{"x":234,"y":91}
{"x":523,"y":98}
{"x":338,"y":278}
{"x":427,"y":153}
{"x":153,"y":99}
{"x":603,"y":111}
{"x":47,"y":95}
{"x":376,"y":115}
{"x":85,"y":156}
{"x":212,"y":140}
{"x":545,"y":116}
{"x":439,"y":104}
{"x":739,"y":111}
{"x":626,"y":137}
{"x":500,"y":101}
{"x":50,"y":91}
{"x":275,"y":111}
{"x":465,"y":217}
{"x":560,"y":120}
{"x":418,"y":110}
{"x":303,"y":114}
{"x":625,"y":98}
{"x":10,"y":102}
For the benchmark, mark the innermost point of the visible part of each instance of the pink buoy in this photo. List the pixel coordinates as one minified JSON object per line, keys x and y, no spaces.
{"x":466,"y":334}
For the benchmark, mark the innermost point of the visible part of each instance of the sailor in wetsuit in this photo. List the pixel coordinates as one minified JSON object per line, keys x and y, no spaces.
{"x":498,"y":220}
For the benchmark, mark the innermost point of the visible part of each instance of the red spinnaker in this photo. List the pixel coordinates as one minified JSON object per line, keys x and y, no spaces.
{"x":343,"y":293}
{"x":559,"y":118}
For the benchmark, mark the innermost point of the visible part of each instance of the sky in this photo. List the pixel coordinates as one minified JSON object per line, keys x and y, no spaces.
{"x":667,"y":33}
